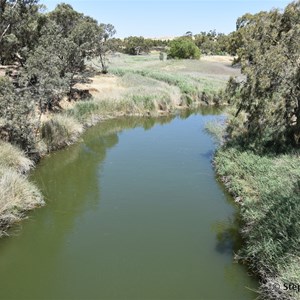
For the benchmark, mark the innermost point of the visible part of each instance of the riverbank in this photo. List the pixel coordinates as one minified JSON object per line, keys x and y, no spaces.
{"x":139,"y":86}
{"x":267,"y":190}
{"x":17,"y":194}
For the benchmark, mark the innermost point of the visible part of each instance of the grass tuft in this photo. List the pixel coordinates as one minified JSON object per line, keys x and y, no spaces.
{"x":60,"y":131}
{"x":17,"y":195}
{"x":13,"y":157}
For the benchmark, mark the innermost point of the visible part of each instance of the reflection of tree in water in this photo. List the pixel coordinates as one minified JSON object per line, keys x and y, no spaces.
{"x":203,"y":110}
{"x":228,"y":242}
{"x":228,"y":236}
{"x":69,"y":179}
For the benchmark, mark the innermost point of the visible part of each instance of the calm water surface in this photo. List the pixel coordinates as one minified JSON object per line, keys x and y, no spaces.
{"x":133,"y":212}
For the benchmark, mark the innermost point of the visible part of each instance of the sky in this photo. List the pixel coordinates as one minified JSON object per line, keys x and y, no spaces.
{"x":168,"y":18}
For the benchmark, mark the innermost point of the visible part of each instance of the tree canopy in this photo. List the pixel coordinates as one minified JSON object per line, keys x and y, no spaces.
{"x":183,"y":47}
{"x":48,"y":51}
{"x":270,"y":94}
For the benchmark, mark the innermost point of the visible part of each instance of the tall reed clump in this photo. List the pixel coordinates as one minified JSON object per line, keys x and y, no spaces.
{"x":17,"y":194}
{"x":60,"y":131}
{"x":268,"y":189}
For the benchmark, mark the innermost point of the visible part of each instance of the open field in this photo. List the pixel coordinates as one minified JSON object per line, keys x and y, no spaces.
{"x":167,"y":84}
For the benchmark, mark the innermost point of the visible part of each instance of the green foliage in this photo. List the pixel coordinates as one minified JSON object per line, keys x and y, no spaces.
{"x":212,"y":43}
{"x":17,"y":118}
{"x":83,"y":109}
{"x":135,"y":45}
{"x":270,"y":94}
{"x":46,"y":68}
{"x":268,"y":189}
{"x":183,"y":48}
{"x":20,"y":25}
{"x":185,"y":86}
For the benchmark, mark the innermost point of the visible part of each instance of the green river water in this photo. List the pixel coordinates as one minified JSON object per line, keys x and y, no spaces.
{"x":134,"y":211}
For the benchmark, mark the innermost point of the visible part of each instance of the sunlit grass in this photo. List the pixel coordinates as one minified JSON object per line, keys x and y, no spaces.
{"x":60,"y":131}
{"x":13,"y":157}
{"x":17,"y":195}
{"x":268,"y":189}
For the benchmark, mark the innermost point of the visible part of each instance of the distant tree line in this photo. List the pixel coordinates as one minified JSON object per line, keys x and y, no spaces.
{"x":208,"y":43}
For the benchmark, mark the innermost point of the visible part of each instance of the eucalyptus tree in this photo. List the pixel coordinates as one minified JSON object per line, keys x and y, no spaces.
{"x":134,"y":45}
{"x":20,"y":25}
{"x":106,"y":32}
{"x":270,"y":93}
{"x":17,"y":116}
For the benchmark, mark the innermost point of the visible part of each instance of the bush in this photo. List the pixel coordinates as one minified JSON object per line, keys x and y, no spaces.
{"x":183,"y":48}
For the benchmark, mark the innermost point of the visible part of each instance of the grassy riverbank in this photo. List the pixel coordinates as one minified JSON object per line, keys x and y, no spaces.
{"x":17,"y":194}
{"x":140,"y":86}
{"x":267,"y":189}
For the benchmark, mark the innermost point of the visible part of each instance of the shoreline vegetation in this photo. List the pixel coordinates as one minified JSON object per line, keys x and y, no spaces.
{"x":258,"y":158}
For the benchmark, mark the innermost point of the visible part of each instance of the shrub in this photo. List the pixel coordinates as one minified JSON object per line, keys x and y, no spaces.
{"x":183,"y":48}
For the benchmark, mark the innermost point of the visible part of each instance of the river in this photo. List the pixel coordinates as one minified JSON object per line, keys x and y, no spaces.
{"x":134,"y":211}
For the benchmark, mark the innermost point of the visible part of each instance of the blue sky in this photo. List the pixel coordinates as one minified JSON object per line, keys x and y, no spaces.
{"x":158,"y":18}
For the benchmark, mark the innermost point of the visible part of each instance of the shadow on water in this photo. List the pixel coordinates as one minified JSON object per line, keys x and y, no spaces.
{"x":228,"y":236}
{"x":229,"y":239}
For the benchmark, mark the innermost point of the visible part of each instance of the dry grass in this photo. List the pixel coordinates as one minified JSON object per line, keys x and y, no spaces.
{"x":13,"y":157}
{"x":17,"y":195}
{"x":60,"y":131}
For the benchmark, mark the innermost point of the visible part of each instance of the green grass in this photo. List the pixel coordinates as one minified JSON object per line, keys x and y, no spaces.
{"x":186,"y":86}
{"x":198,"y":81}
{"x":268,"y":188}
